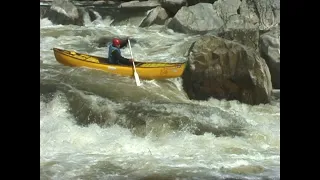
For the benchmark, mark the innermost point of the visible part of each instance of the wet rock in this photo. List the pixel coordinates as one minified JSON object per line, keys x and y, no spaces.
{"x":151,"y":4}
{"x":270,"y":51}
{"x":157,"y":16}
{"x":267,"y":13}
{"x":65,"y":12}
{"x":198,"y":19}
{"x":226,"y":8}
{"x":93,"y":15}
{"x":224,"y":69}
{"x":172,"y":6}
{"x":246,"y":36}
{"x":237,"y":27}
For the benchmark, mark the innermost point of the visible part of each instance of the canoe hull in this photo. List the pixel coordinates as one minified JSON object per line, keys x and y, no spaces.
{"x":146,"y":70}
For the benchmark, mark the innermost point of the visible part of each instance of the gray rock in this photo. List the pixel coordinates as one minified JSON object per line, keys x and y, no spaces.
{"x":65,"y":13}
{"x":226,"y":8}
{"x":224,"y":69}
{"x":157,"y":16}
{"x":270,"y":51}
{"x":151,"y":3}
{"x":172,"y":6}
{"x":198,"y":19}
{"x":245,"y":36}
{"x":266,"y":12}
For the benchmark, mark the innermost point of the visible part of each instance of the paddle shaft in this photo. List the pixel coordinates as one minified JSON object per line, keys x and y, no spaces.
{"x":136,"y":76}
{"x":134,"y":66}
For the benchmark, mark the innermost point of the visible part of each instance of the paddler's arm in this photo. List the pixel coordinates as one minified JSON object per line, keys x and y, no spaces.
{"x":121,"y":59}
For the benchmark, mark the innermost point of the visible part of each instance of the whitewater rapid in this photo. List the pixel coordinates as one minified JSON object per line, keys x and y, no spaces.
{"x":99,"y":126}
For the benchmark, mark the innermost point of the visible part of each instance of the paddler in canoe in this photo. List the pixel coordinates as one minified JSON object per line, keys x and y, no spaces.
{"x":146,"y":70}
{"x":114,"y":54}
{"x":115,"y":57}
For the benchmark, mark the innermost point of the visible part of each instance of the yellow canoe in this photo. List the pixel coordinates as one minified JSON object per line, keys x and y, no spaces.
{"x":146,"y":70}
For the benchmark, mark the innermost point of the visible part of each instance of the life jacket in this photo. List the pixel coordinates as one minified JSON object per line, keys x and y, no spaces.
{"x":112,"y":60}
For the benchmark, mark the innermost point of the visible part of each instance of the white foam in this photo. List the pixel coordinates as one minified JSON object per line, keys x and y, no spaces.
{"x":71,"y":149}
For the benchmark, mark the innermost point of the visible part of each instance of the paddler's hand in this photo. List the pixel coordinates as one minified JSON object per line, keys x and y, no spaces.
{"x":126,"y":41}
{"x":131,"y":60}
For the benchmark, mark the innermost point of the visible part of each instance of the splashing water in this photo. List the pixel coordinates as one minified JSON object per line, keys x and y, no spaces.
{"x":99,"y":126}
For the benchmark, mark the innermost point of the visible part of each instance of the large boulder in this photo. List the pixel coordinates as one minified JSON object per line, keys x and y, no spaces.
{"x":172,"y":6}
{"x":157,"y":15}
{"x":266,"y":12}
{"x":243,"y":20}
{"x":65,"y":12}
{"x":226,"y":8}
{"x":130,"y":13}
{"x":193,"y":2}
{"x":131,"y":4}
{"x":236,"y":27}
{"x":270,"y":50}
{"x":224,"y":69}
{"x":248,"y":14}
{"x":198,"y":19}
{"x":247,"y":37}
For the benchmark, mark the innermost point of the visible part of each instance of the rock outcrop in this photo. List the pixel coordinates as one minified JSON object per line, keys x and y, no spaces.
{"x":270,"y":51}
{"x":157,"y":15}
{"x":172,"y":6}
{"x":224,"y":69}
{"x":198,"y":19}
{"x":65,"y":12}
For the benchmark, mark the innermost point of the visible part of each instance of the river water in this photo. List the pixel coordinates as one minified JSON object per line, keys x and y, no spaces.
{"x":99,"y":126}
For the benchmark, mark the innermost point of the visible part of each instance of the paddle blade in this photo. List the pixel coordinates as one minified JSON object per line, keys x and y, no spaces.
{"x":136,"y":76}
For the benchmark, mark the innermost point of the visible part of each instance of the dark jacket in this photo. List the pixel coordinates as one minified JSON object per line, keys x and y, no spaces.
{"x":115,"y":56}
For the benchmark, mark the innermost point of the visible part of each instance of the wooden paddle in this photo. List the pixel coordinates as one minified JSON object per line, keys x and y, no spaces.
{"x":136,"y":76}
